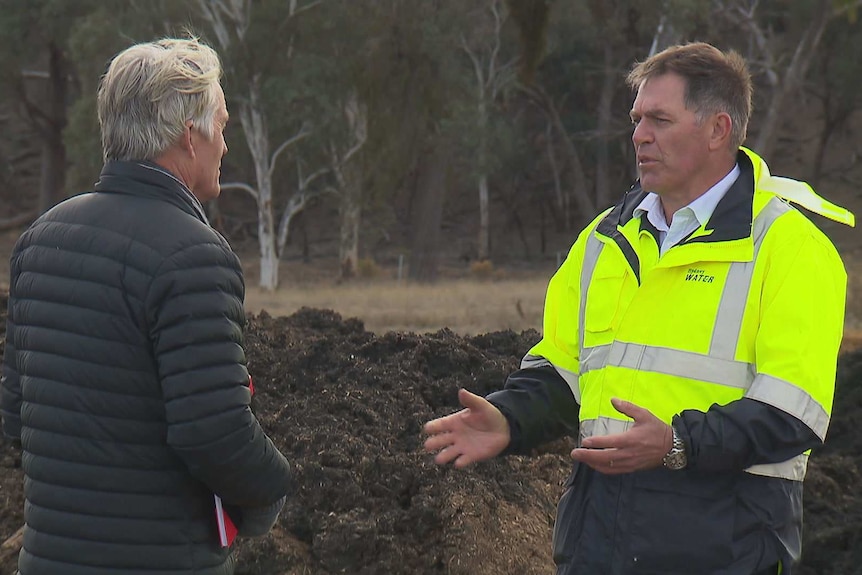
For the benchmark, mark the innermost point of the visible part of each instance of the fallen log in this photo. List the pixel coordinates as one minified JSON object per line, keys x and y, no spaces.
{"x":11,"y":547}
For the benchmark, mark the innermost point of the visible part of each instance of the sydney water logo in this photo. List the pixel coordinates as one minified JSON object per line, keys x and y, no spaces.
{"x":696,"y":275}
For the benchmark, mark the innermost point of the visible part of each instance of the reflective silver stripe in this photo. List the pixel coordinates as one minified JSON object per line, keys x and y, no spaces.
{"x":571,"y":378}
{"x":685,"y":364}
{"x":793,"y":469}
{"x":591,"y":257}
{"x":719,"y":366}
{"x":602,"y":426}
{"x":731,"y":308}
{"x":594,"y":357}
{"x":790,"y":399}
{"x":534,"y":361}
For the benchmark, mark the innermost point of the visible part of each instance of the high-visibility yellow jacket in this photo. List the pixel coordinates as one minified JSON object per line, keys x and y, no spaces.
{"x":733,"y":336}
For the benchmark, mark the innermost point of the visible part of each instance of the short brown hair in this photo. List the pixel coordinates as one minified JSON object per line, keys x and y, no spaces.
{"x":715,"y":81}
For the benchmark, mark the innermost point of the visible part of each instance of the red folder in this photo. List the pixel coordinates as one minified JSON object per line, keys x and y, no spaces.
{"x":226,"y":528}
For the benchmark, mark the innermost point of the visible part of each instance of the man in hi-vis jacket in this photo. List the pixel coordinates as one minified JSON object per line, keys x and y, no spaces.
{"x":690,"y":342}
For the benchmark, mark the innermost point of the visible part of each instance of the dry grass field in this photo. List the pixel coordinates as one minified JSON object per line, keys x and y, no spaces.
{"x":465,"y":306}
{"x":468,"y":303}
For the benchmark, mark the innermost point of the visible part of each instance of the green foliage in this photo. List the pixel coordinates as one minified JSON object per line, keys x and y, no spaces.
{"x":405,"y":61}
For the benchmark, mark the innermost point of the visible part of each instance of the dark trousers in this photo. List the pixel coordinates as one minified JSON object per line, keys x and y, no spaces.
{"x":768,"y":571}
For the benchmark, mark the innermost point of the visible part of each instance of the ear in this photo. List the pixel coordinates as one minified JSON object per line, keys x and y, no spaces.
{"x":721,"y":128}
{"x":187,"y":140}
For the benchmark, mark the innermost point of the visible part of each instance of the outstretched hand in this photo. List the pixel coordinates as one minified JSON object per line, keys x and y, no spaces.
{"x":477,"y":432}
{"x":642,"y":447}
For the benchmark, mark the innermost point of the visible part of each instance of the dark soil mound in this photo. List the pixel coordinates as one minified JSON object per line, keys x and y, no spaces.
{"x":346,"y":406}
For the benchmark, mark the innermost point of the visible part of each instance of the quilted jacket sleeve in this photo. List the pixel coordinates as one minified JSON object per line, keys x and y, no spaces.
{"x":196,"y":320}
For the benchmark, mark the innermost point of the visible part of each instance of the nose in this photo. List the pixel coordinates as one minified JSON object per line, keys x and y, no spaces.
{"x":641,"y":134}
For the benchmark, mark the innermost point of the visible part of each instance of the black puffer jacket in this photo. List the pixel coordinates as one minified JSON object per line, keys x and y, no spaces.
{"x":124,"y":376}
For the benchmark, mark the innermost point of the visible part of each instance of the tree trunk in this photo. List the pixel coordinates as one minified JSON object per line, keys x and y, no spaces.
{"x":53,"y":171}
{"x":428,"y":214}
{"x":575,"y":173}
{"x":254,"y":126}
{"x":348,"y":251}
{"x":831,"y":124}
{"x":349,"y":175}
{"x":52,"y":176}
{"x":349,"y":179}
{"x":609,"y":77}
{"x":484,"y":248}
{"x":483,"y":243}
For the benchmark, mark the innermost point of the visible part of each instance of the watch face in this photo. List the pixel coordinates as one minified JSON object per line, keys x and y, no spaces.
{"x":675,"y":461}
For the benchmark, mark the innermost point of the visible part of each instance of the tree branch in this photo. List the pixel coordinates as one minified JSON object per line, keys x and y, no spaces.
{"x":294,"y":10}
{"x":240,"y":186}
{"x":303,"y":132}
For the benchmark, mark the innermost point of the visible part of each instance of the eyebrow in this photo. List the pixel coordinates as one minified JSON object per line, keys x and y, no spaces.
{"x":653,"y":113}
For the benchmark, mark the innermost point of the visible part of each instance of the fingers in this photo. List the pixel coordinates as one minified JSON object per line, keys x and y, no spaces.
{"x":628,"y":408}
{"x":463,"y":461}
{"x":471,"y":400}
{"x":443,"y":424}
{"x":438,"y":441}
{"x":607,"y":461}
{"x":604,"y":441}
{"x":446,"y":455}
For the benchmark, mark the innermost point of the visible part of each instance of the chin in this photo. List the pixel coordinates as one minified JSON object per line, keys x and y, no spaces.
{"x":647,"y":185}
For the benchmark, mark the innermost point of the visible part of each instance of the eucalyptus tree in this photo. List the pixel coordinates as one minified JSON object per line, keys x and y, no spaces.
{"x":259,"y":42}
{"x":494,"y":71}
{"x":389,"y":75}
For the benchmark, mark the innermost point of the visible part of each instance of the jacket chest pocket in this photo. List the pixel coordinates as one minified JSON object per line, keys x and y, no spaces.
{"x":604,"y":300}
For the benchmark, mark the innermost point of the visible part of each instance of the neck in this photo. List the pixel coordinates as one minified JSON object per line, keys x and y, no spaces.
{"x":671,"y":201}
{"x":170,"y":161}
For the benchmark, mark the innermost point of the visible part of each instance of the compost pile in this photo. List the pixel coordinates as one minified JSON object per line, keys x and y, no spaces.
{"x":346,"y":406}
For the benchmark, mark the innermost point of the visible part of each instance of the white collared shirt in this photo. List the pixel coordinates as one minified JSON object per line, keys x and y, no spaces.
{"x":686,"y":219}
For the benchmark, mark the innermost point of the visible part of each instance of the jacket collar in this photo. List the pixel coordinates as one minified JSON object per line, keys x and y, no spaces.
{"x":149,"y":180}
{"x":731,"y":219}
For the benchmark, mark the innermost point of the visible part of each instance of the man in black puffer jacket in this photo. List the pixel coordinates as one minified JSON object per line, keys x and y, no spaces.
{"x":124,"y":374}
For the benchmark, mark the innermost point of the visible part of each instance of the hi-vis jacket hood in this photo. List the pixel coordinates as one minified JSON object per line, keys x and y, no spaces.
{"x":733,"y":336}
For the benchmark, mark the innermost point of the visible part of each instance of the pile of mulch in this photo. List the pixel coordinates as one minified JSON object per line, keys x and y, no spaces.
{"x":346,"y":407}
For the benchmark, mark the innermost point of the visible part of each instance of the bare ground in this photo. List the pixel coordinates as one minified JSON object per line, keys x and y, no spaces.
{"x":346,"y":406}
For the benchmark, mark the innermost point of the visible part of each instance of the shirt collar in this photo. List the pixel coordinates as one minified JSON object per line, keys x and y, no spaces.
{"x":702,"y":207}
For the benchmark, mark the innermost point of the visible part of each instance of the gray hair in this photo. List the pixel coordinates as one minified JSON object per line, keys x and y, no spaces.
{"x":149,"y":93}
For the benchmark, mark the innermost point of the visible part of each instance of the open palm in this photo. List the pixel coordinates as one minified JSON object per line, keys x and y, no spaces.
{"x":477,"y":432}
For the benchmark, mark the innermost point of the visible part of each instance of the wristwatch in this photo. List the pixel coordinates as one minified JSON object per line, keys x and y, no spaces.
{"x":676,"y":458}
